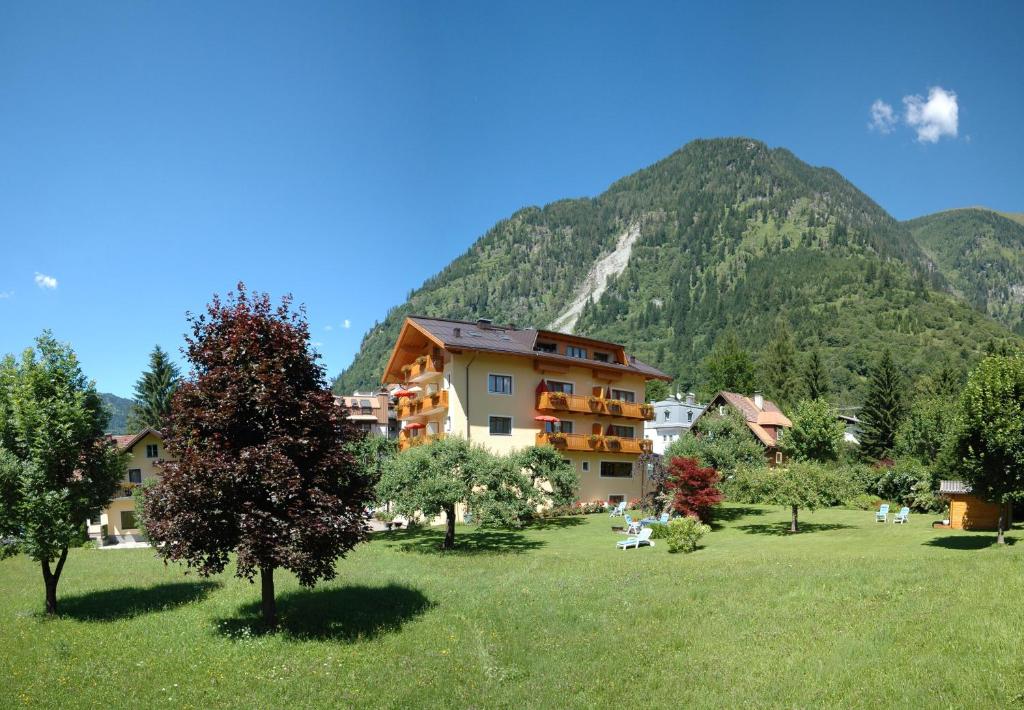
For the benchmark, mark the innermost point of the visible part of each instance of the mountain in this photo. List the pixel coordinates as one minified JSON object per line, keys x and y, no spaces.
{"x":119,"y":409}
{"x":981,"y":253}
{"x":722,"y":234}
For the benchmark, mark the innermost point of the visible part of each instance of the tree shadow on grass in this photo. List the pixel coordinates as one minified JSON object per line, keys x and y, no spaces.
{"x":967,"y":542}
{"x":721,"y":515}
{"x":569,"y":521}
{"x":477,"y":542}
{"x":350,"y":613}
{"x":128,"y":602}
{"x":782,"y":529}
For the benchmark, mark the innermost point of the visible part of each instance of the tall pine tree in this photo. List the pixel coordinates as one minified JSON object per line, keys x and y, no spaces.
{"x":782,"y":378}
{"x":153,"y":392}
{"x":815,"y":377}
{"x":729,"y":366}
{"x":883,"y":409}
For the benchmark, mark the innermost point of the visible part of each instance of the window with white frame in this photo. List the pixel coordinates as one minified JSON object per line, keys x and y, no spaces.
{"x":586,"y":467}
{"x":574,"y":351}
{"x":620,"y":430}
{"x":556,"y":386}
{"x":135,"y":475}
{"x":499,"y":384}
{"x":624,"y":395}
{"x":500,"y":426}
{"x":152,"y":451}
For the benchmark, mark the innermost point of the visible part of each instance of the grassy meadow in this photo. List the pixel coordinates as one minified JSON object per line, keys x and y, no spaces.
{"x":845,"y":613}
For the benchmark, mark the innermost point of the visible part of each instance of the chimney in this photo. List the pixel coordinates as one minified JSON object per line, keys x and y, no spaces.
{"x":759,"y":400}
{"x":691,"y":398}
{"x":484,"y":323}
{"x":457,"y":332}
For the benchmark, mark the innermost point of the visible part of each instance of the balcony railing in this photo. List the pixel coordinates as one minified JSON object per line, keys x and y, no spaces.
{"x":560,"y":401}
{"x":595,"y":442}
{"x":126,"y":489}
{"x":405,"y":441}
{"x":424,"y":369}
{"x":422,"y":406}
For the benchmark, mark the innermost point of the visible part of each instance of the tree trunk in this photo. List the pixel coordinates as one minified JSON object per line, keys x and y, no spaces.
{"x":269,"y":603}
{"x":1000,"y":539}
{"x":449,"y":532}
{"x":50,"y":580}
{"x":792,"y":523}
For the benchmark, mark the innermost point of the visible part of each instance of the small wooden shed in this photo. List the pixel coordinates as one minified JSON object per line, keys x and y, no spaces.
{"x":966,"y":510}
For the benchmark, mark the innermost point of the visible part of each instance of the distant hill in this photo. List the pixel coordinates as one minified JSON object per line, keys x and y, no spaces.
{"x":981,"y":254}
{"x":722,"y":234}
{"x":119,"y":408}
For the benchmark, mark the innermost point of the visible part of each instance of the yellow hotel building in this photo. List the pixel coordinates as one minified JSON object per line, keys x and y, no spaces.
{"x":146,"y":451}
{"x":508,"y":389}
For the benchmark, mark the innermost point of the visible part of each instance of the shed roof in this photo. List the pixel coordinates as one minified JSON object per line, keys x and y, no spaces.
{"x":954,"y":487}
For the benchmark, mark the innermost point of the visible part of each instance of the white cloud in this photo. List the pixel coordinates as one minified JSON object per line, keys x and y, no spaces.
{"x":44,"y":281}
{"x":934,"y":118}
{"x":328,"y":328}
{"x":883,"y":118}
{"x":6,"y":294}
{"x":317,"y":344}
{"x":347,"y":324}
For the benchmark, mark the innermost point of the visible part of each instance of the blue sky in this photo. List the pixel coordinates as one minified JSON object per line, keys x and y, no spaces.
{"x":153,"y":153}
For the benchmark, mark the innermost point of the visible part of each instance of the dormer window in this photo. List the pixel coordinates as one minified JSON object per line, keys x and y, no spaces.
{"x":574,"y":351}
{"x":602,"y":357}
{"x":546,"y":348}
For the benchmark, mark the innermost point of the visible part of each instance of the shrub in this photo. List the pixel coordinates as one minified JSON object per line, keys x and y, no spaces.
{"x":694,"y":489}
{"x":864,"y":501}
{"x":659,"y":531}
{"x":683,"y":534}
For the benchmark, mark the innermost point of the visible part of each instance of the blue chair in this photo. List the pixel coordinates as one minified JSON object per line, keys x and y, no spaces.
{"x":663,"y":520}
{"x":883,"y":513}
{"x":632,"y":526}
{"x":903,"y":516}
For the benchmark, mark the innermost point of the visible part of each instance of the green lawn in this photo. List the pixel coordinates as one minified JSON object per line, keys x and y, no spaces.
{"x":846,"y":613}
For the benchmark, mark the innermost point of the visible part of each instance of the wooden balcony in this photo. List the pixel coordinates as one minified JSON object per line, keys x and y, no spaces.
{"x":406,"y":442}
{"x":425,"y":369}
{"x":559,"y":401}
{"x":595,"y":442}
{"x":422,"y":406}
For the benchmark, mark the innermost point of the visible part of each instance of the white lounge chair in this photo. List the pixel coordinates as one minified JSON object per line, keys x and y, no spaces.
{"x":644,"y":538}
{"x":618,"y":510}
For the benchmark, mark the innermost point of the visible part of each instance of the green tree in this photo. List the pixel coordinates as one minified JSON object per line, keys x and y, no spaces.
{"x":656,"y":391}
{"x":925,"y":429}
{"x":729,"y":367}
{"x":815,"y":376}
{"x":434,"y":478}
{"x":720,"y":442}
{"x":988,"y":443}
{"x":817,"y":432}
{"x":805,"y":485}
{"x":56,"y":464}
{"x":883,"y":409}
{"x":782,"y":376}
{"x":153,"y":392}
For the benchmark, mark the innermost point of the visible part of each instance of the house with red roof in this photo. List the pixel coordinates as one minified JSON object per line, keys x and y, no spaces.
{"x":765,"y":420}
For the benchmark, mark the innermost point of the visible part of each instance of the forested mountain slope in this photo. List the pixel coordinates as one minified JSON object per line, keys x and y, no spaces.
{"x":981,"y":253}
{"x":732,"y":235}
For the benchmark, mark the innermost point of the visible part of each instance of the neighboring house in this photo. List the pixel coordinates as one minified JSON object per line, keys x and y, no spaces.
{"x":966,"y":510}
{"x":764,"y":419}
{"x":146,"y":451}
{"x":673,"y":417}
{"x":495,"y":386}
{"x":851,"y":429}
{"x":372,"y":412}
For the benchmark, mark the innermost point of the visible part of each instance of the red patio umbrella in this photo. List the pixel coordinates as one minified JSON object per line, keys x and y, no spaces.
{"x":546,"y":418}
{"x":404,"y":393}
{"x":415,"y":425}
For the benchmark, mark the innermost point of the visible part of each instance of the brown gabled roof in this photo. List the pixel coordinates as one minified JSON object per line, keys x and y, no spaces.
{"x":469,"y":335}
{"x":125,"y":442}
{"x":757,"y":419}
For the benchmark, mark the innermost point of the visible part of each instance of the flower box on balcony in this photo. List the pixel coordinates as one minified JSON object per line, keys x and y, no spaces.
{"x":558,"y":399}
{"x":613,"y":442}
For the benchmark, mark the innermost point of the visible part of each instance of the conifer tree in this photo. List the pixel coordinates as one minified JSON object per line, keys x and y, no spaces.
{"x":883,"y":409}
{"x":815,"y":377}
{"x":153,"y":392}
{"x":782,"y":378}
{"x":729,"y":366}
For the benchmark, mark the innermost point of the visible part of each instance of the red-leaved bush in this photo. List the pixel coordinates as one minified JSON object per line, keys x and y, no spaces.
{"x":694,"y":489}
